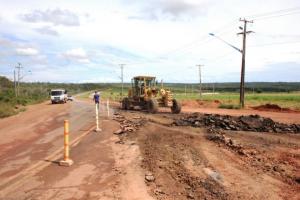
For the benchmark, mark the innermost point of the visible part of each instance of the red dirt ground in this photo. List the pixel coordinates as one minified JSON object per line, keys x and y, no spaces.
{"x":182,"y":161}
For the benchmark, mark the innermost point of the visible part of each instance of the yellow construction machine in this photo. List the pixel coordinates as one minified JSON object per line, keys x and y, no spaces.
{"x":146,"y":94}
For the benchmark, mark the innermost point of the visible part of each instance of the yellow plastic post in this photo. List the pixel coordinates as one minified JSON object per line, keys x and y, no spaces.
{"x":66,"y":161}
{"x":97,"y":118}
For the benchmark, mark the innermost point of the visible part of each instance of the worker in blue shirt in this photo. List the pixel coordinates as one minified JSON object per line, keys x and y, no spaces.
{"x":97,"y":98}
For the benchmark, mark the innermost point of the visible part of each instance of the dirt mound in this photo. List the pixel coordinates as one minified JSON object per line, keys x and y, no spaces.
{"x":190,"y":103}
{"x":244,"y":123}
{"x":272,"y":107}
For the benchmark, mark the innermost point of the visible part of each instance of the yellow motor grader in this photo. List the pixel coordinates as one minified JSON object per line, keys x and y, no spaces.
{"x":145,"y":94}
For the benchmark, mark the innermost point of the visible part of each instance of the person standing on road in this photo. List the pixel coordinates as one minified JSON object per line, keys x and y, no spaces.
{"x":97,"y":99}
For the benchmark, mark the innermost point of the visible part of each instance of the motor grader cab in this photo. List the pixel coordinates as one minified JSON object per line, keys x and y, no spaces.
{"x":146,"y":94}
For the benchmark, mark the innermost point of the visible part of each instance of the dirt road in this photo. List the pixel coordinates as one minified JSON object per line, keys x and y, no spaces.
{"x":31,"y":147}
{"x":153,"y":160}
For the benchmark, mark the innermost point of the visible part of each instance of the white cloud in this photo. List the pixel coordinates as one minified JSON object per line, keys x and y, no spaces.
{"x":27,"y":51}
{"x":47,"y":30}
{"x":78,"y":55}
{"x":55,"y":16}
{"x":169,"y":9}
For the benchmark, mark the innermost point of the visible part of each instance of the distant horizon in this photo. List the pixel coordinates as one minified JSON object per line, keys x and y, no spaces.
{"x":194,"y":83}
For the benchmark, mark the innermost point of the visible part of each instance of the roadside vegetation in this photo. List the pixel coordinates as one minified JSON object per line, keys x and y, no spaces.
{"x":32,"y":93}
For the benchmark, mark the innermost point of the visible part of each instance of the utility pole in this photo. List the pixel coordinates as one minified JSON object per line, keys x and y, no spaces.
{"x":18,"y":78}
{"x":242,"y":83}
{"x":122,"y":78}
{"x":192,"y":89}
{"x":185,"y":89}
{"x":15,"y":84}
{"x":200,"y":80}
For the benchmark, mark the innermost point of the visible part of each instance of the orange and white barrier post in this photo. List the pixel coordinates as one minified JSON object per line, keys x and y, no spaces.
{"x":66,"y":161}
{"x":107,"y":107}
{"x":97,"y":118}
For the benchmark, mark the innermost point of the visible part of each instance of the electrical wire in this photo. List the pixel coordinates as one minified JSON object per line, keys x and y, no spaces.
{"x":276,"y":43}
{"x":185,"y":48}
{"x":274,"y":14}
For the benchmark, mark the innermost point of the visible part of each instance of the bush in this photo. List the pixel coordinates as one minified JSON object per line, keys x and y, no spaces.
{"x":6,"y":110}
{"x":229,"y":106}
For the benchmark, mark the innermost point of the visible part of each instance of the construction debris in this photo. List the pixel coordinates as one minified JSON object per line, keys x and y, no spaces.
{"x":219,"y":136}
{"x":149,"y":177}
{"x":127,"y":125}
{"x":254,"y":123}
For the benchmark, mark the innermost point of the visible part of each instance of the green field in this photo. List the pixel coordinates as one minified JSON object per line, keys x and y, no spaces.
{"x":284,"y":100}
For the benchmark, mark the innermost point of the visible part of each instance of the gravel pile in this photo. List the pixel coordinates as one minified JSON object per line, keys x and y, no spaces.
{"x":254,"y":123}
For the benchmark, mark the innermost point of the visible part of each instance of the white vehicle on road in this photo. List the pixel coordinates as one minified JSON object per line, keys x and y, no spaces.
{"x":70,"y":97}
{"x":58,"y":96}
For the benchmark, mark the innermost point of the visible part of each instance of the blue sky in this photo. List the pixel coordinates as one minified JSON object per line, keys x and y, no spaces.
{"x":85,"y":41}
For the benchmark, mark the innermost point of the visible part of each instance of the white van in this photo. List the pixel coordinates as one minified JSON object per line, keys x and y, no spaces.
{"x":58,"y":96}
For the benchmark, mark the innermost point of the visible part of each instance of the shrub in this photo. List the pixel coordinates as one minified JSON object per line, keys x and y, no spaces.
{"x":229,"y":106}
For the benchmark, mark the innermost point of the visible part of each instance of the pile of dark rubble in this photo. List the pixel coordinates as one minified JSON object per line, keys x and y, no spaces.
{"x":220,"y":137}
{"x":242,"y":123}
{"x":127,"y":125}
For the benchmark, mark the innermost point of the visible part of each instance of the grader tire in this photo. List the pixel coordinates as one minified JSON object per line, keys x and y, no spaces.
{"x":176,"y":107}
{"x":125,"y":104}
{"x":152,"y":106}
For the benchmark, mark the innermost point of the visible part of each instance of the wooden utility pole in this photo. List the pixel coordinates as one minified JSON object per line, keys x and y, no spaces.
{"x":242,"y":83}
{"x":122,"y":78}
{"x":18,"y":78}
{"x":192,"y":89}
{"x":15,"y":83}
{"x":200,"y":80}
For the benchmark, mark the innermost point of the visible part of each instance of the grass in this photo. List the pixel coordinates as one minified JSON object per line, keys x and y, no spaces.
{"x":228,"y":100}
{"x":285,"y":100}
{"x":108,"y":93}
{"x":6,"y":110}
{"x":229,"y":106}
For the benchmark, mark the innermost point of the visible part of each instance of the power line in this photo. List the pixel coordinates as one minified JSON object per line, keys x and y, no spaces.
{"x":273,"y":12}
{"x":196,"y":43}
{"x":275,"y":16}
{"x":221,"y":30}
{"x":272,"y":44}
